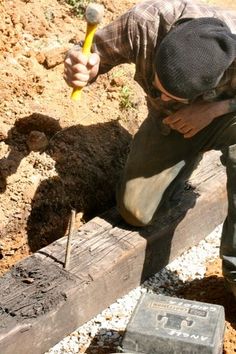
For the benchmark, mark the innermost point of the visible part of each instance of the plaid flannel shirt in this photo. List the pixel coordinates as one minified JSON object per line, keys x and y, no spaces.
{"x":134,"y":37}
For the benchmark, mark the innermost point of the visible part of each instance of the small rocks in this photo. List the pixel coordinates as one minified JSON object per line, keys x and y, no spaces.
{"x":28,"y":280}
{"x":34,"y":182}
{"x":40,"y":56}
{"x":117,"y":81}
{"x":52,"y":57}
{"x":37,"y":141}
{"x":4,"y":129}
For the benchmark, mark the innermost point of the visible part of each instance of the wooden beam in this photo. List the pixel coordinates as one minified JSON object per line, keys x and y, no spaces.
{"x":40,"y":302}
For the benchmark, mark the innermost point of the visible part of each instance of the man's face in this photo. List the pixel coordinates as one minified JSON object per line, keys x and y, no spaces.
{"x":166,"y":96}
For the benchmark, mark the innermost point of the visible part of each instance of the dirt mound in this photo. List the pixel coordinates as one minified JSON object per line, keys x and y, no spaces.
{"x":55,"y":154}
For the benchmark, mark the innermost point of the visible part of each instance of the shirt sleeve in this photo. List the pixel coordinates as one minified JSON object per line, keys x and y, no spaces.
{"x":132,"y":38}
{"x":115,"y":43}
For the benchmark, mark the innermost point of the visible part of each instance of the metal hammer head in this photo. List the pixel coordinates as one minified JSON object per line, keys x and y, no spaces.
{"x":94,"y":13}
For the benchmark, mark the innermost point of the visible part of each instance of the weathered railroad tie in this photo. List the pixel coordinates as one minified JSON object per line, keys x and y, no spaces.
{"x":41,"y":302}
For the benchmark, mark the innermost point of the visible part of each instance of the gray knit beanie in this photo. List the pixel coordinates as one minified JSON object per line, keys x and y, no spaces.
{"x":194,"y":55}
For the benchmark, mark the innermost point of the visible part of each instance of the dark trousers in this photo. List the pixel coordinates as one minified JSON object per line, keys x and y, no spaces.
{"x":158,"y":159}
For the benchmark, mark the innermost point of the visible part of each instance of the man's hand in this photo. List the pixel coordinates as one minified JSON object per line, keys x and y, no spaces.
{"x":195,"y":117}
{"x":80,"y":69}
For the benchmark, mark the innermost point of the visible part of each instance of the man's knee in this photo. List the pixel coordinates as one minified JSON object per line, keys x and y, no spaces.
{"x":132,"y":212}
{"x":134,"y":216}
{"x":139,"y":198}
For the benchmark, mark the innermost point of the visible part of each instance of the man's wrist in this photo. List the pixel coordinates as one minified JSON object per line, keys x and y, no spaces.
{"x":232,"y":105}
{"x":225,"y":106}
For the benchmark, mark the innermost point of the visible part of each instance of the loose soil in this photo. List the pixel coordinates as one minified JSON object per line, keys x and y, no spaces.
{"x":56,"y":154}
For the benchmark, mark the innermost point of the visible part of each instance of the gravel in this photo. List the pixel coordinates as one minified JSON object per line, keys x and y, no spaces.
{"x":103,"y":334}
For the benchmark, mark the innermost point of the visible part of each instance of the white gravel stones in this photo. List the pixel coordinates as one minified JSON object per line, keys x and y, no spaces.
{"x":105,"y":331}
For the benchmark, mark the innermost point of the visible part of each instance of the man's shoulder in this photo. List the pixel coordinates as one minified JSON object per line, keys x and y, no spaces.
{"x":173,"y":10}
{"x":150,"y":9}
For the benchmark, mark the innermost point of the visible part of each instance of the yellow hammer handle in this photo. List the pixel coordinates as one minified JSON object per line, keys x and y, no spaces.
{"x":86,"y":50}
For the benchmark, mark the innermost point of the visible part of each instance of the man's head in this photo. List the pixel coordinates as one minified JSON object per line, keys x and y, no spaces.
{"x":193,"y":57}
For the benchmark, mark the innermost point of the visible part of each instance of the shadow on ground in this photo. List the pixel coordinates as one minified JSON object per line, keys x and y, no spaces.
{"x":211,"y":289}
{"x":111,"y":340}
{"x":88,"y":162}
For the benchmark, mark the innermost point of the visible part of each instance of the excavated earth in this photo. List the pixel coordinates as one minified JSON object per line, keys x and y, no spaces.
{"x":56,"y":154}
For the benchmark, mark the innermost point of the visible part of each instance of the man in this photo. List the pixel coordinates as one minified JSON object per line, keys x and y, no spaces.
{"x":184,"y":54}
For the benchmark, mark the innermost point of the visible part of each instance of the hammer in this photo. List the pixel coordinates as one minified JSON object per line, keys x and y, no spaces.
{"x":93,"y":15}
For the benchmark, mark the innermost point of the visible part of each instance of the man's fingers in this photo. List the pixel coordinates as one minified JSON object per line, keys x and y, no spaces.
{"x":78,"y":83}
{"x":184,"y":130}
{"x":190,"y":133}
{"x":75,"y":82}
{"x":79,"y":80}
{"x":79,"y":68}
{"x":93,"y":60}
{"x":77,"y":56}
{"x":177,"y":126}
{"x":68,"y":62}
{"x":182,"y":127}
{"x":84,"y":77}
{"x":68,"y":74}
{"x":171,"y":120}
{"x":75,"y":79}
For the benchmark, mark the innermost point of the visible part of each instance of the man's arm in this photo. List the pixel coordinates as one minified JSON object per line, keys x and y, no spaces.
{"x":113,"y":45}
{"x":198,"y":115}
